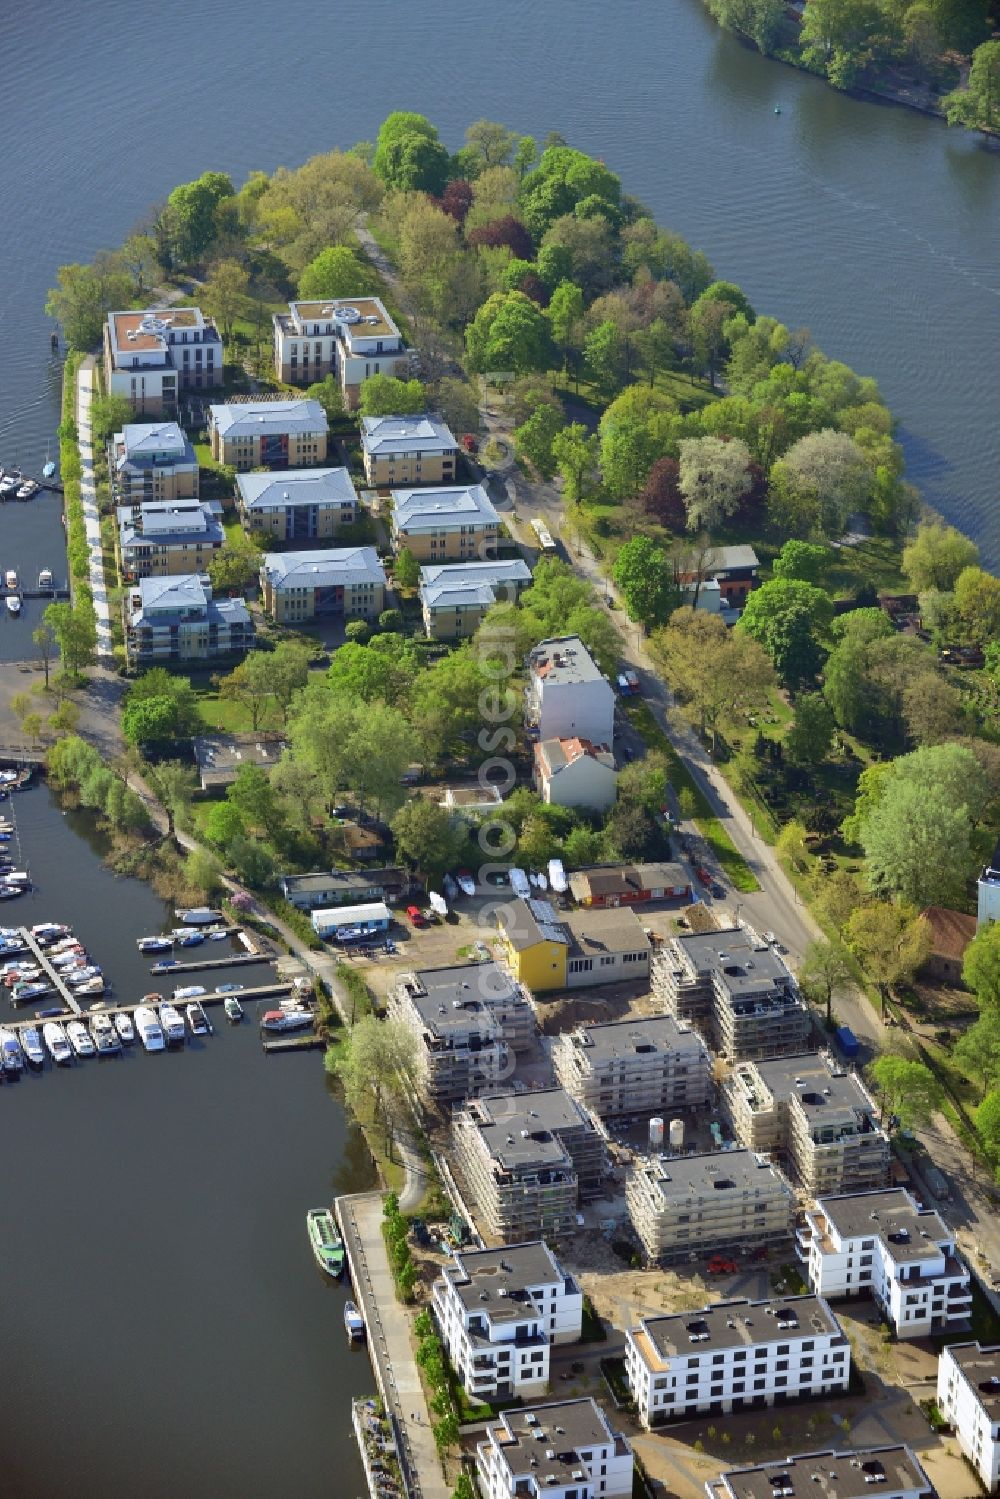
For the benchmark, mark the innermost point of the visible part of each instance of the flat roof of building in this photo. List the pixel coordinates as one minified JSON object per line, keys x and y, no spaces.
{"x":528,"y":922}
{"x":627,"y":879}
{"x":430,"y":509}
{"x":828,"y":1475}
{"x":296,"y":486}
{"x":450,"y":999}
{"x":337,"y":566}
{"x":519,"y":1129}
{"x":344,"y":879}
{"x":372,"y":318}
{"x":684,"y":1177}
{"x":826,"y":1091}
{"x":170,"y":521}
{"x":374,"y":910}
{"x":617,"y":930}
{"x":268,"y":418}
{"x":565,"y":1429}
{"x":496,"y":1280}
{"x":739,"y":1324}
{"x":219,"y":756}
{"x":143,"y":332}
{"x":908,"y":1232}
{"x":387,"y":436}
{"x":649,"y":1035}
{"x":563,"y":660}
{"x":981,"y":1366}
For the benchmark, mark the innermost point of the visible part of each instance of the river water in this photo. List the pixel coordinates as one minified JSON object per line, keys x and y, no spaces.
{"x":165,"y":1330}
{"x":875,"y":226}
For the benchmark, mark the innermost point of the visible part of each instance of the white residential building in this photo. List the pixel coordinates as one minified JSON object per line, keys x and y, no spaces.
{"x":828,"y":1475}
{"x":350,"y":338}
{"x":653,"y":1065}
{"x":988,"y":908}
{"x":567,"y":695}
{"x":885,"y":1245}
{"x":968,"y":1396}
{"x":499,"y":1311}
{"x":563,"y":1450}
{"x":735,"y":1355}
{"x":575,"y":773}
{"x":151,"y":357}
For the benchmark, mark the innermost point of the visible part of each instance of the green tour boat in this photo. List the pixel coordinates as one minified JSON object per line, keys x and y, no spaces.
{"x":327,"y":1245}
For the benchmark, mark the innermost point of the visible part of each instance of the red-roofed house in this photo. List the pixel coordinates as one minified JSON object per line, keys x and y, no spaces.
{"x":952,"y":931}
{"x":575,"y":773}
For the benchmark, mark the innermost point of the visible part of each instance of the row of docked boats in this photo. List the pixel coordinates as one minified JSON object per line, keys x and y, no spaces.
{"x":14,"y":485}
{"x":156,"y":1025}
{"x":68,"y":961}
{"x":328,"y":1252}
{"x":184,"y":936}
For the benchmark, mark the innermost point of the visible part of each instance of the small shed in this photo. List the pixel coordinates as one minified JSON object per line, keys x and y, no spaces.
{"x":951,"y":933}
{"x":375,"y":916}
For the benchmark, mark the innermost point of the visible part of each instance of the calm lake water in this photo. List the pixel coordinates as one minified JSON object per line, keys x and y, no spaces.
{"x":877,"y":227}
{"x":163,"y":1330}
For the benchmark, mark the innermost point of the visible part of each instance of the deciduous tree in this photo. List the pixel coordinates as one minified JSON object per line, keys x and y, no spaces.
{"x":643,"y":573}
{"x":936,"y":556}
{"x":714,"y":477}
{"x":908,"y":1090}
{"x":385,"y":395}
{"x":981,"y":966}
{"x":337,"y":271}
{"x":575,"y":452}
{"x":819,"y":483}
{"x":890,"y":943}
{"x":811,"y":734}
{"x":426,"y":837}
{"x":717,"y":672}
{"x":826,"y":967}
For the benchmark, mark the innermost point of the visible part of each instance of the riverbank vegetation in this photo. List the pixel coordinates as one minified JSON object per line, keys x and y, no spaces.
{"x":930,"y":54}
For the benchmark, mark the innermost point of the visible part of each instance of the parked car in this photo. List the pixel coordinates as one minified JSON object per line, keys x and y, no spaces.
{"x":704,"y":878}
{"x":720,"y":1264}
{"x":417,"y":917}
{"x":718,"y":890}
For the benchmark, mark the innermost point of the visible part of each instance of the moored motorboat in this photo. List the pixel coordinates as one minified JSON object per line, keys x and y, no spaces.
{"x":11,"y":1055}
{"x":80,"y":1039}
{"x":191,"y":939}
{"x":286,"y":1020}
{"x":233,"y":1009}
{"x":31,"y":1045}
{"x":172,"y":1022}
{"x":354,"y":1322}
{"x":189,"y":991}
{"x":327,"y":1245}
{"x":197,"y":1019}
{"x":125,"y":1028}
{"x":56,"y":1043}
{"x":23,"y":994}
{"x":27,"y":490}
{"x":105,"y":1036}
{"x":155,"y":944}
{"x":45,"y":578}
{"x":91,"y":986}
{"x":10,"y":578}
{"x":13,"y":603}
{"x":148,"y":1026}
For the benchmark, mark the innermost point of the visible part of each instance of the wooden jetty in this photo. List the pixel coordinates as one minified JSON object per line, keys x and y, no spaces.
{"x":308,"y":1042}
{"x":235,"y":960}
{"x":57,"y":591}
{"x":66,"y":994}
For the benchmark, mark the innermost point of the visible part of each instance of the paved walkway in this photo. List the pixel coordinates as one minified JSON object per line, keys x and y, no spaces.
{"x":389,"y":1341}
{"x":85,"y":384}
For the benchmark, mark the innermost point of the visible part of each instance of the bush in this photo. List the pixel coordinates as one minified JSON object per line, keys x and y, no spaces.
{"x":357,"y":631}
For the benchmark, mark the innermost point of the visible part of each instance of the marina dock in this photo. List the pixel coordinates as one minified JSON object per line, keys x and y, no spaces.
{"x":233,"y":961}
{"x":309,"y":1042}
{"x":277,"y":990}
{"x":65,"y":993}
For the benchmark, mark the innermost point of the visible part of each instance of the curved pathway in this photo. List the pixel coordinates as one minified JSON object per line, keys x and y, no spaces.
{"x":85,"y":385}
